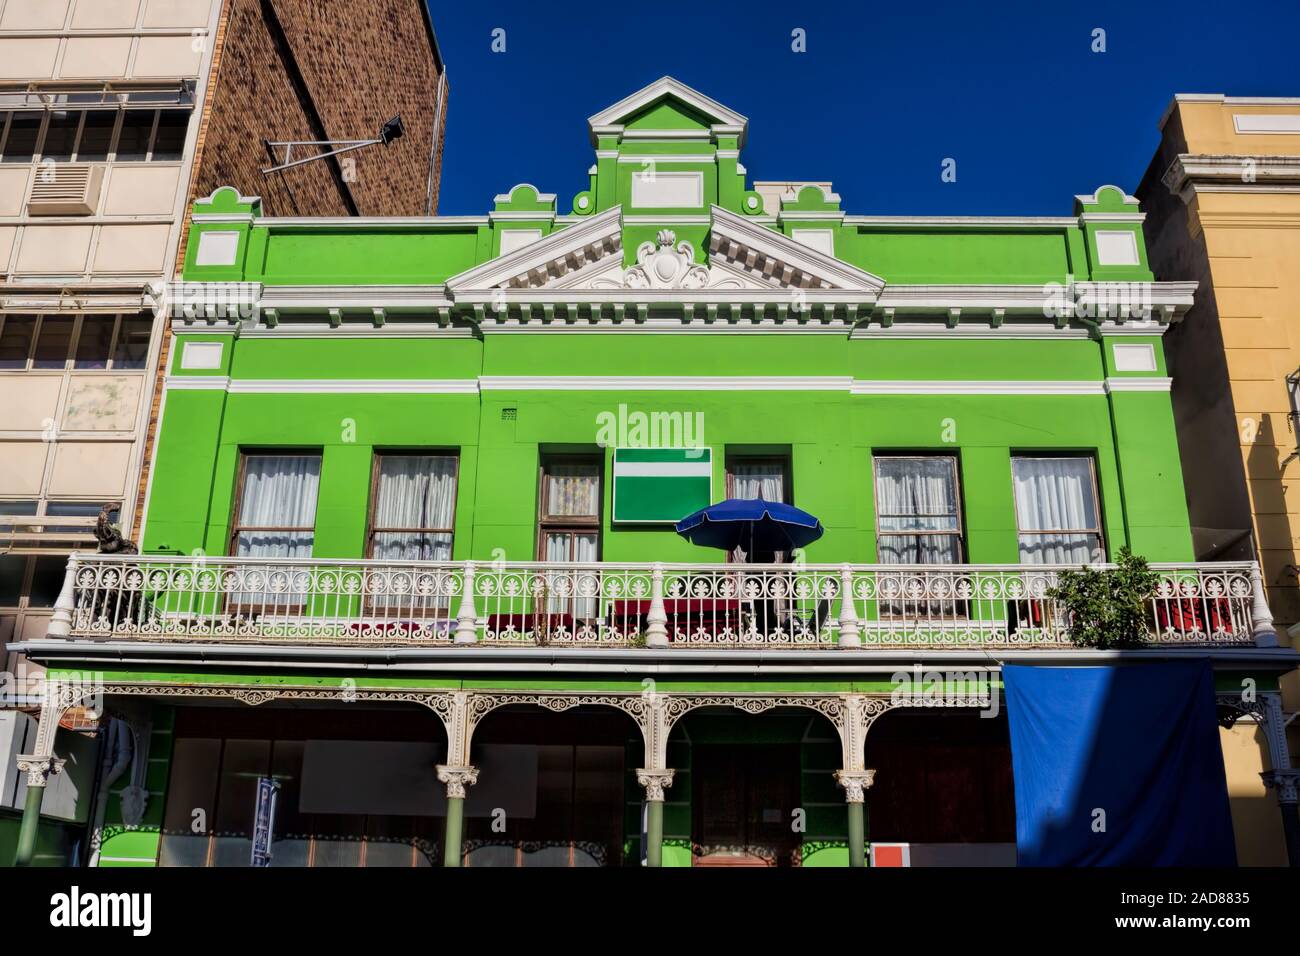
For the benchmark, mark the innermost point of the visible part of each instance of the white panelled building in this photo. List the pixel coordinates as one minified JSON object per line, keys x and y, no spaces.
{"x":99,"y":105}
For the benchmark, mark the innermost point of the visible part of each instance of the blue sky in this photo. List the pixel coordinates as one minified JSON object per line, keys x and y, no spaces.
{"x":1011,"y":91}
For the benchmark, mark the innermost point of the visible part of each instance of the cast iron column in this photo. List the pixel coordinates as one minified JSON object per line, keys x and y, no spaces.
{"x":855,"y":784}
{"x":655,"y":783}
{"x":456,"y":779}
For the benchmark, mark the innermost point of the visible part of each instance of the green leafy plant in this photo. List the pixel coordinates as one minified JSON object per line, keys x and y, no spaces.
{"x":1109,"y":607}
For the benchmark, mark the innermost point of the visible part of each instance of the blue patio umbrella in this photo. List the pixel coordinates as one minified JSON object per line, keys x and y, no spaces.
{"x":753,"y":524}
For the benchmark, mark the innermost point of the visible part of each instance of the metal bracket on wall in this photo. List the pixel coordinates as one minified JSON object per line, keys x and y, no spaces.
{"x":390,"y":131}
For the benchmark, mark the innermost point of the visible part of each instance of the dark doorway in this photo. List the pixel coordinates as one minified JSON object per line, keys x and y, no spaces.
{"x":743,"y":800}
{"x":942,"y":777}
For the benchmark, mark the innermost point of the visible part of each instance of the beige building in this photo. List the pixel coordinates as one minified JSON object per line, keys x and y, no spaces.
{"x":1222,"y":198}
{"x":97,"y":134}
{"x":113,"y":114}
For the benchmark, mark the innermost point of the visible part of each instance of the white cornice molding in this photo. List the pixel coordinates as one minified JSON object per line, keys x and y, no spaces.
{"x":386,"y":386}
{"x":763,"y":304}
{"x":1172,"y":299}
{"x":363,"y":298}
{"x":641,"y":159}
{"x":196,"y":382}
{"x":1139,"y":384}
{"x":1130,"y":217}
{"x":666,"y":383}
{"x":991,"y":387}
{"x":368,"y":222}
{"x":233,"y":218}
{"x":666,"y":135}
{"x":1190,"y":173}
{"x":979,"y":222}
{"x":661,"y":383}
{"x":650,"y":220}
{"x":795,"y":216}
{"x":467,"y":386}
{"x":538,"y":217}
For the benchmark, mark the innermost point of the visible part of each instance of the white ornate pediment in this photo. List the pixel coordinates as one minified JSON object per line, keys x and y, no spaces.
{"x":744,"y":256}
{"x":667,"y":264}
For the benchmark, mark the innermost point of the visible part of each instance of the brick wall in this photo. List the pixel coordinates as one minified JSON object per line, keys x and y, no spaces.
{"x":324,"y":69}
{"x":316,"y":69}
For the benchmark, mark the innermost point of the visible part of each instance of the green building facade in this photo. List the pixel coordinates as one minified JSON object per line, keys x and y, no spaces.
{"x":413,"y":488}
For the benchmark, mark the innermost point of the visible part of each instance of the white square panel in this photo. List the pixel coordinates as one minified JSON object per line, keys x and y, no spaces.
{"x":1135,"y":358}
{"x":823,"y":240}
{"x":1117,"y":247}
{"x":217,"y":249}
{"x":201,"y":355}
{"x":512,"y":239}
{"x":659,"y":190}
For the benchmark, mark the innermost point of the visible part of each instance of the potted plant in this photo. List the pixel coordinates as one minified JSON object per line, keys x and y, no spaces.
{"x":1108,"y":607}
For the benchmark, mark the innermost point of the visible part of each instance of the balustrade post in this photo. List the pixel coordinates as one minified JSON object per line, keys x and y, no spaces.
{"x":1261,"y":617}
{"x":467,"y":615}
{"x":850,"y":631}
{"x":656,"y":619}
{"x":855,"y":784}
{"x":61,"y":621}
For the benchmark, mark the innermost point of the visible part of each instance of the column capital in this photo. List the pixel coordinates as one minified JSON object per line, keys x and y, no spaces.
{"x":457,"y":779}
{"x":39,"y":769}
{"x":856,"y":783}
{"x":1286,"y":782}
{"x":655,"y":782}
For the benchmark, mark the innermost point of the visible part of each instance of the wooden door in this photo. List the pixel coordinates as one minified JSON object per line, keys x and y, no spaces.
{"x":743,"y":800}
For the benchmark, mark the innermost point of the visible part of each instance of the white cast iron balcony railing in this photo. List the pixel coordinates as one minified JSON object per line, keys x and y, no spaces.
{"x":375,"y":603}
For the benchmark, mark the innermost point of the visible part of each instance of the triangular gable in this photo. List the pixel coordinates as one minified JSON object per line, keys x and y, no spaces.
{"x":757,"y":250}
{"x":547,"y":260}
{"x":720,"y":119}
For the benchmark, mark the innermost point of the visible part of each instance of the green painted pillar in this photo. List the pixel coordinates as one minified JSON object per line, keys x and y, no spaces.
{"x":857,"y":841}
{"x":31,"y":822}
{"x":457,"y":780}
{"x":655,"y":783}
{"x":856,"y":783}
{"x":654,"y":833}
{"x":452,"y":840}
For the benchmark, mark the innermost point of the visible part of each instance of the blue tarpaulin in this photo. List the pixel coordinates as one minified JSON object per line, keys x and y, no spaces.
{"x":1118,"y":766}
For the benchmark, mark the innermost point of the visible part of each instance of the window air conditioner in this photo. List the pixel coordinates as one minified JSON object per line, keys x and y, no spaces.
{"x":65,"y":189}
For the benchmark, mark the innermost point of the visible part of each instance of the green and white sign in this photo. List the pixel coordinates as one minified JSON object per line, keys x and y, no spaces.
{"x":661,"y":485}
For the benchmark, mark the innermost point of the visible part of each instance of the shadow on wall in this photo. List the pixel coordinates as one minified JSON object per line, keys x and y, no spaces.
{"x":1256,"y":821}
{"x":1270,"y":453}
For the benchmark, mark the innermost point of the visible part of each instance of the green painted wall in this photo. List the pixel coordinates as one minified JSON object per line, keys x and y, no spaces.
{"x":830,"y":435}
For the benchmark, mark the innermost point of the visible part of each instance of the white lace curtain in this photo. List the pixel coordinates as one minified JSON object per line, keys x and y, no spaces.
{"x":415,"y":492}
{"x":758,"y":479}
{"x":917,"y":495}
{"x":561,"y":586}
{"x":572,"y":490}
{"x":1056,"y":510}
{"x":279,"y":493}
